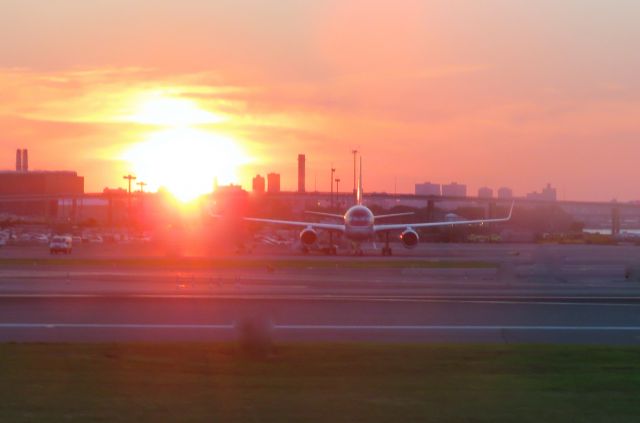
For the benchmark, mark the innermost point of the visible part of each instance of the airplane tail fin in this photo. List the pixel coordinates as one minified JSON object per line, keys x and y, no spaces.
{"x":359,"y":193}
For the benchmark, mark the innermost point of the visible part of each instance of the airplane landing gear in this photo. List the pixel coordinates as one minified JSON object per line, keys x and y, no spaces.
{"x":331,"y":250}
{"x":386,"y":250}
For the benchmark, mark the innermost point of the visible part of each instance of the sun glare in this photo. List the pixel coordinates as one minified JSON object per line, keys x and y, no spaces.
{"x":185,"y":161}
{"x":156,"y":109}
{"x":181,"y":157}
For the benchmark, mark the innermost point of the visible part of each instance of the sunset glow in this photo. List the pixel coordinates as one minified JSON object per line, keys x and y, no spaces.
{"x":445,"y":89}
{"x":166,"y":111}
{"x":185,"y":161}
{"x":182,"y":157}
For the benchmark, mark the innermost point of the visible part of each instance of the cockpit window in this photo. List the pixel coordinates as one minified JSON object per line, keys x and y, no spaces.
{"x":359,"y":218}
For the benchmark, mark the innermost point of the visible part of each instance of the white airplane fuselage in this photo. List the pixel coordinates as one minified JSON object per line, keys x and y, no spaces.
{"x":358,"y":223}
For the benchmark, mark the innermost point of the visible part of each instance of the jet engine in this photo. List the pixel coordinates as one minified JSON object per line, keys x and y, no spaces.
{"x":409,"y":238}
{"x":308,"y":236}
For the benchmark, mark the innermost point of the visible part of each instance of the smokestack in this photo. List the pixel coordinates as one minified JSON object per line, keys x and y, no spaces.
{"x":25,"y":160}
{"x":18,"y":160}
{"x":301,"y":173}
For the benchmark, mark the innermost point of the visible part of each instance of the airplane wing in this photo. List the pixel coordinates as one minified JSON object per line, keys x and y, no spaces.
{"x":328,"y":226}
{"x":403,"y":226}
{"x":332,"y":215}
{"x":386,"y":216}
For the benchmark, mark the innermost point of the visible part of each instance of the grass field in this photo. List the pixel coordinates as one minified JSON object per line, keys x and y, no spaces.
{"x":317,"y":383}
{"x":229,"y":263}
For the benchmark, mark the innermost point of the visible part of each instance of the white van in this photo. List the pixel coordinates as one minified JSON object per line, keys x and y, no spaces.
{"x":60,"y":244}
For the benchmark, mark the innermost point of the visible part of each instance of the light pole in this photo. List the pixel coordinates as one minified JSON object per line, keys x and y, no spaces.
{"x":141,"y":184}
{"x":333,"y":170}
{"x":355,"y":188}
{"x":338,"y":191}
{"x":129,"y":178}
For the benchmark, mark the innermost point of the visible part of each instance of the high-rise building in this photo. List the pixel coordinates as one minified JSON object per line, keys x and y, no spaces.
{"x":454,"y":189}
{"x":273,"y":182}
{"x":548,"y":194}
{"x":258,"y":184}
{"x":25,"y":160}
{"x":301,"y":173}
{"x":505,"y":192}
{"x":428,"y":188}
{"x":18,"y":160}
{"x":485,"y":192}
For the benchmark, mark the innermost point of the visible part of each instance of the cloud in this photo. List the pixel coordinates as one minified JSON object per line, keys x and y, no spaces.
{"x":447,"y":122}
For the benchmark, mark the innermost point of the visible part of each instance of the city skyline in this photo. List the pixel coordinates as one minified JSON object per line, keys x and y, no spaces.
{"x":180,"y":93}
{"x":455,"y":188}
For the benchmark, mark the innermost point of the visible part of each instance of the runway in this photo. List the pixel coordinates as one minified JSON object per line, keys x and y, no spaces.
{"x":584,"y":299}
{"x":113,"y":318}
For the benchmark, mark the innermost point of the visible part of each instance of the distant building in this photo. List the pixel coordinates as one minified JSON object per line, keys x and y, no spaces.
{"x":548,"y":194}
{"x":301,"y":173}
{"x":116,"y":191}
{"x":230,"y":189}
{"x":44,"y":188}
{"x":44,"y":183}
{"x":273,"y":182}
{"x":505,"y":192}
{"x":454,"y":189}
{"x":258,"y":184}
{"x":485,"y":192}
{"x":428,"y":188}
{"x":18,"y":160}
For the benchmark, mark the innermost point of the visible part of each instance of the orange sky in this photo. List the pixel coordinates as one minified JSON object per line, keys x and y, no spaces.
{"x":493,"y":92}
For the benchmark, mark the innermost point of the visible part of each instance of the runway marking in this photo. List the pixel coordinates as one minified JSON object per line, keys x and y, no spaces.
{"x":459,"y":327}
{"x":318,"y":327}
{"x":111,"y":326}
{"x":524,"y":300}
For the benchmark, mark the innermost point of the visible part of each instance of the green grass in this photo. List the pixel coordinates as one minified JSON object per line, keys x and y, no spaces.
{"x":229,"y":263}
{"x":318,"y":382}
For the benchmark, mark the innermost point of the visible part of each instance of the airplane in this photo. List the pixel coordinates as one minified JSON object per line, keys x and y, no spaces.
{"x":359,"y":225}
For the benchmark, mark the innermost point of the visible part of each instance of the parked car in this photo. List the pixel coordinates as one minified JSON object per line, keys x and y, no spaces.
{"x":60,"y":244}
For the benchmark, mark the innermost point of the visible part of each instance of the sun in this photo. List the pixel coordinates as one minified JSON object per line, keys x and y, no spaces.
{"x":180,"y":155}
{"x":185,"y":161}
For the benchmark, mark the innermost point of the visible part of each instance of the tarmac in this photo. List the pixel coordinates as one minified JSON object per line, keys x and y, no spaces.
{"x":529,"y":294}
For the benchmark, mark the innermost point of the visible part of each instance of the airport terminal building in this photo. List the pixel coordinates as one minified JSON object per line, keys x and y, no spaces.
{"x":41,"y":183}
{"x":36,"y":193}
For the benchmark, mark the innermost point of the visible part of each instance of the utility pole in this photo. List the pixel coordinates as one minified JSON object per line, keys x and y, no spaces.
{"x":129,"y":178}
{"x":355,"y":188}
{"x":338,"y":191}
{"x":141,"y":185}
